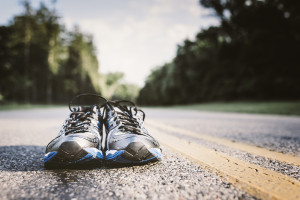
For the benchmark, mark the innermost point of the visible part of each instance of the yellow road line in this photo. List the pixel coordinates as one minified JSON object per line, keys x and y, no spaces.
{"x":257,"y":181}
{"x":286,"y":158}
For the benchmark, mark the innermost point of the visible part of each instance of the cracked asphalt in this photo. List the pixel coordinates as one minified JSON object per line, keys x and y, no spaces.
{"x":25,"y":133}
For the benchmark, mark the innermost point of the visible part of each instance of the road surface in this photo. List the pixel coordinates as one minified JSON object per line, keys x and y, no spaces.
{"x":206,"y":155}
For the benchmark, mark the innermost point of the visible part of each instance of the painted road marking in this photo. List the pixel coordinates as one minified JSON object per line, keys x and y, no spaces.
{"x":286,"y":158}
{"x":257,"y":181}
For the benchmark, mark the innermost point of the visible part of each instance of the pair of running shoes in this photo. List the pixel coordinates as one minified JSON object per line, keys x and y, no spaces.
{"x":97,"y":135}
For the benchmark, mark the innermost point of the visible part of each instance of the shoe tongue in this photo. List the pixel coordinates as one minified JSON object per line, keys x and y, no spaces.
{"x":127,"y":112}
{"x":81,"y":108}
{"x":85,"y":108}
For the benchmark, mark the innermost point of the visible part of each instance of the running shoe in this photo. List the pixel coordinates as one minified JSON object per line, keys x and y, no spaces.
{"x":127,"y":140}
{"x":79,"y":140}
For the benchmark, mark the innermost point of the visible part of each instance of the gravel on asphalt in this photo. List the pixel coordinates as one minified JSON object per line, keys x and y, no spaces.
{"x":24,"y":135}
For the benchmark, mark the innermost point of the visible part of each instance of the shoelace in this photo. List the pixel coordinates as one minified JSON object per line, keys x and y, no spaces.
{"x":79,"y":119}
{"x":128,"y":122}
{"x":86,"y":95}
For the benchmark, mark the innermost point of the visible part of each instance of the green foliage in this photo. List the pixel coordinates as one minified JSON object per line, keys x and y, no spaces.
{"x":18,"y":106}
{"x":115,"y":87}
{"x":113,"y":78}
{"x":252,"y":55}
{"x":279,"y":108}
{"x":41,"y":62}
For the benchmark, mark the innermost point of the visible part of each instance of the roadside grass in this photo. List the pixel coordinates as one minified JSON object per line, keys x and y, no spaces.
{"x":278,"y":108}
{"x":16,"y":106}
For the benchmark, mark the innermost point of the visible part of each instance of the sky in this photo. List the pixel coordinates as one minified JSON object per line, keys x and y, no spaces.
{"x":131,"y":36}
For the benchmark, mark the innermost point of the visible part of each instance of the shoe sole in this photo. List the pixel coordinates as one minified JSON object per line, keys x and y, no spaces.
{"x":72,"y":155}
{"x":135,"y":153}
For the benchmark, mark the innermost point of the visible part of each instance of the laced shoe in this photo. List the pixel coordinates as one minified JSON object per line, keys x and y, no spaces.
{"x":127,"y":140}
{"x":79,"y":140}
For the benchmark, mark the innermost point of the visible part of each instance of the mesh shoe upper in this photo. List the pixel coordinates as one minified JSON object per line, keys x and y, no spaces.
{"x":82,"y":126}
{"x":79,"y":140}
{"x":124,"y":125}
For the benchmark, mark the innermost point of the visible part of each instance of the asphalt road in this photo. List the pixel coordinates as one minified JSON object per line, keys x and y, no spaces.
{"x":278,"y":133}
{"x":25,"y":133}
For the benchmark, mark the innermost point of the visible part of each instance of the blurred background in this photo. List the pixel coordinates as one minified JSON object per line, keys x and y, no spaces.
{"x":154,"y":52}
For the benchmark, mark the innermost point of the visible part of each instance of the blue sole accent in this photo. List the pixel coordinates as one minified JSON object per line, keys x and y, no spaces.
{"x":156,"y":152}
{"x":117,"y":157}
{"x":100,"y":156}
{"x":93,"y":156}
{"x":85,"y":158}
{"x":50,"y":155}
{"x":95,"y":153}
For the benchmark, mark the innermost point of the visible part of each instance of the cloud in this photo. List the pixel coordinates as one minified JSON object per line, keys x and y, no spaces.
{"x":142,"y":35}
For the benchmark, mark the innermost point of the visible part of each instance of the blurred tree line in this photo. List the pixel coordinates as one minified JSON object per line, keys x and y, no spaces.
{"x":42,"y":62}
{"x":252,"y":55}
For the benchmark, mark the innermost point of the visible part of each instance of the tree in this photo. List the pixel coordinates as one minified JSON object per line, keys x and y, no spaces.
{"x":252,"y":55}
{"x":41,"y":61}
